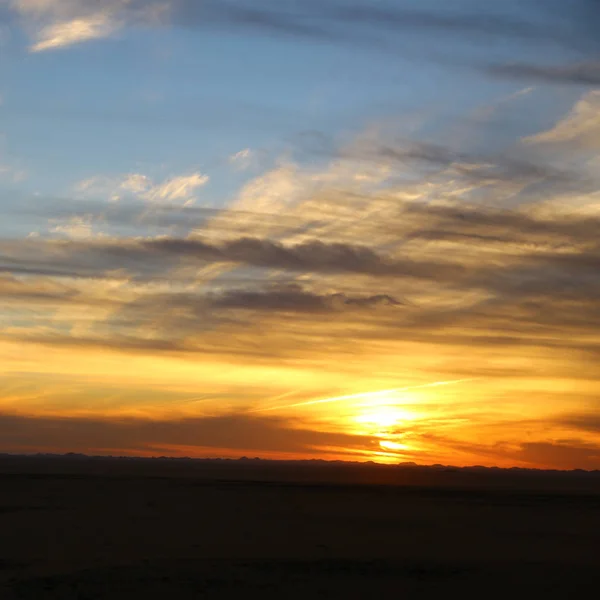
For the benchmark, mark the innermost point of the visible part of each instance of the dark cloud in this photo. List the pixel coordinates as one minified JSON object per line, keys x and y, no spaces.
{"x":476,"y":167}
{"x":264,"y":16}
{"x":243,"y":433}
{"x":119,"y":342}
{"x":307,"y":256}
{"x":488,"y":224}
{"x":588,"y":422}
{"x":292,"y":298}
{"x":567,"y":454}
{"x":45,"y":292}
{"x":283,"y":297}
{"x":535,"y":21}
{"x":587,"y":74}
{"x":584,"y":261}
{"x":145,"y":257}
{"x":552,"y":454}
{"x":394,"y":25}
{"x":45,"y":270}
{"x":236,"y":432}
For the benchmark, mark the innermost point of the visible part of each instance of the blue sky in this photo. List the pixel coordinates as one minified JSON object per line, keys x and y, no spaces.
{"x":169,"y":100}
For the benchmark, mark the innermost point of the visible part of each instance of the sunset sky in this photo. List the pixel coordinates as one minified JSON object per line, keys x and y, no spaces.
{"x":333,"y":229}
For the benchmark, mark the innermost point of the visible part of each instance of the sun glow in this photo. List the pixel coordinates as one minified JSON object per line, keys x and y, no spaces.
{"x":385,"y":419}
{"x":385,"y":416}
{"x":380,"y":415}
{"x":393,"y":446}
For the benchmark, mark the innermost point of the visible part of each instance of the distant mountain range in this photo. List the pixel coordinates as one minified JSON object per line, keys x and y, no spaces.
{"x":72,"y":456}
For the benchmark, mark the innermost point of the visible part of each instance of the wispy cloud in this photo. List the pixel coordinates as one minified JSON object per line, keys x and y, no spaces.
{"x":242,"y":159}
{"x":397,"y":262}
{"x":586,"y":74}
{"x":162,"y":253}
{"x":387,"y":26}
{"x":72,"y":32}
{"x":580,"y":128}
{"x":519,"y":276}
{"x":180,"y":189}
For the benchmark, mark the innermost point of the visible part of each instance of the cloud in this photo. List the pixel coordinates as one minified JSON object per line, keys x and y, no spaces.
{"x":387,"y":27}
{"x":282,"y":298}
{"x":145,"y":257}
{"x":242,"y":159}
{"x":208,"y":436}
{"x":293,"y":298}
{"x":474,"y":276}
{"x":398,"y":259}
{"x":579,"y":129}
{"x":77,"y":228}
{"x":75,"y":31}
{"x":59,"y":23}
{"x":134,"y":213}
{"x":565,"y":454}
{"x":304,"y":257}
{"x":359,"y":19}
{"x":562,"y":455}
{"x":488,"y":224}
{"x":588,"y":422}
{"x":306,"y":269}
{"x":45,"y":291}
{"x":176,"y":189}
{"x":179,"y":189}
{"x":433,"y":158}
{"x":587,"y":74}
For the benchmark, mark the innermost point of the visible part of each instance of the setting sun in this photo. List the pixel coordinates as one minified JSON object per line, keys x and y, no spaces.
{"x":393,"y":446}
{"x":385,"y":416}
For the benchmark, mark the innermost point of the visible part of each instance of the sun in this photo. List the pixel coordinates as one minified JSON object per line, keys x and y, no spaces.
{"x":386,"y":420}
{"x":383,"y":416}
{"x":393,"y":446}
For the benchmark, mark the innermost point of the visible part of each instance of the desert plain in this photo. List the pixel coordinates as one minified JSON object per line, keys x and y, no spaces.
{"x":104,"y":528}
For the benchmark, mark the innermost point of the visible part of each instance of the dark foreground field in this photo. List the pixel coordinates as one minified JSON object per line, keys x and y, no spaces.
{"x":102,"y":529}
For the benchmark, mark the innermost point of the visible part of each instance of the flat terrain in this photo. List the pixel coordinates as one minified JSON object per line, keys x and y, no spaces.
{"x":96,"y":529}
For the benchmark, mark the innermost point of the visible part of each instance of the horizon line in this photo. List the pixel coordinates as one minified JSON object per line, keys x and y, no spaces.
{"x":369,"y":463}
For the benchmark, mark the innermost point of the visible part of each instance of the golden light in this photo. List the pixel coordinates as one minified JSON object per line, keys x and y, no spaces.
{"x":385,"y":416}
{"x":392,"y":418}
{"x":381,"y":418}
{"x":380,"y":397}
{"x":393,"y":446}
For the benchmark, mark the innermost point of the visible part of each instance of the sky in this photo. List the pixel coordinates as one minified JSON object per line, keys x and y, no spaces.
{"x":360,"y":230}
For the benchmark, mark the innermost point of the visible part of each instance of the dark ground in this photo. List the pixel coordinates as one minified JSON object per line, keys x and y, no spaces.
{"x":114,"y":529}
